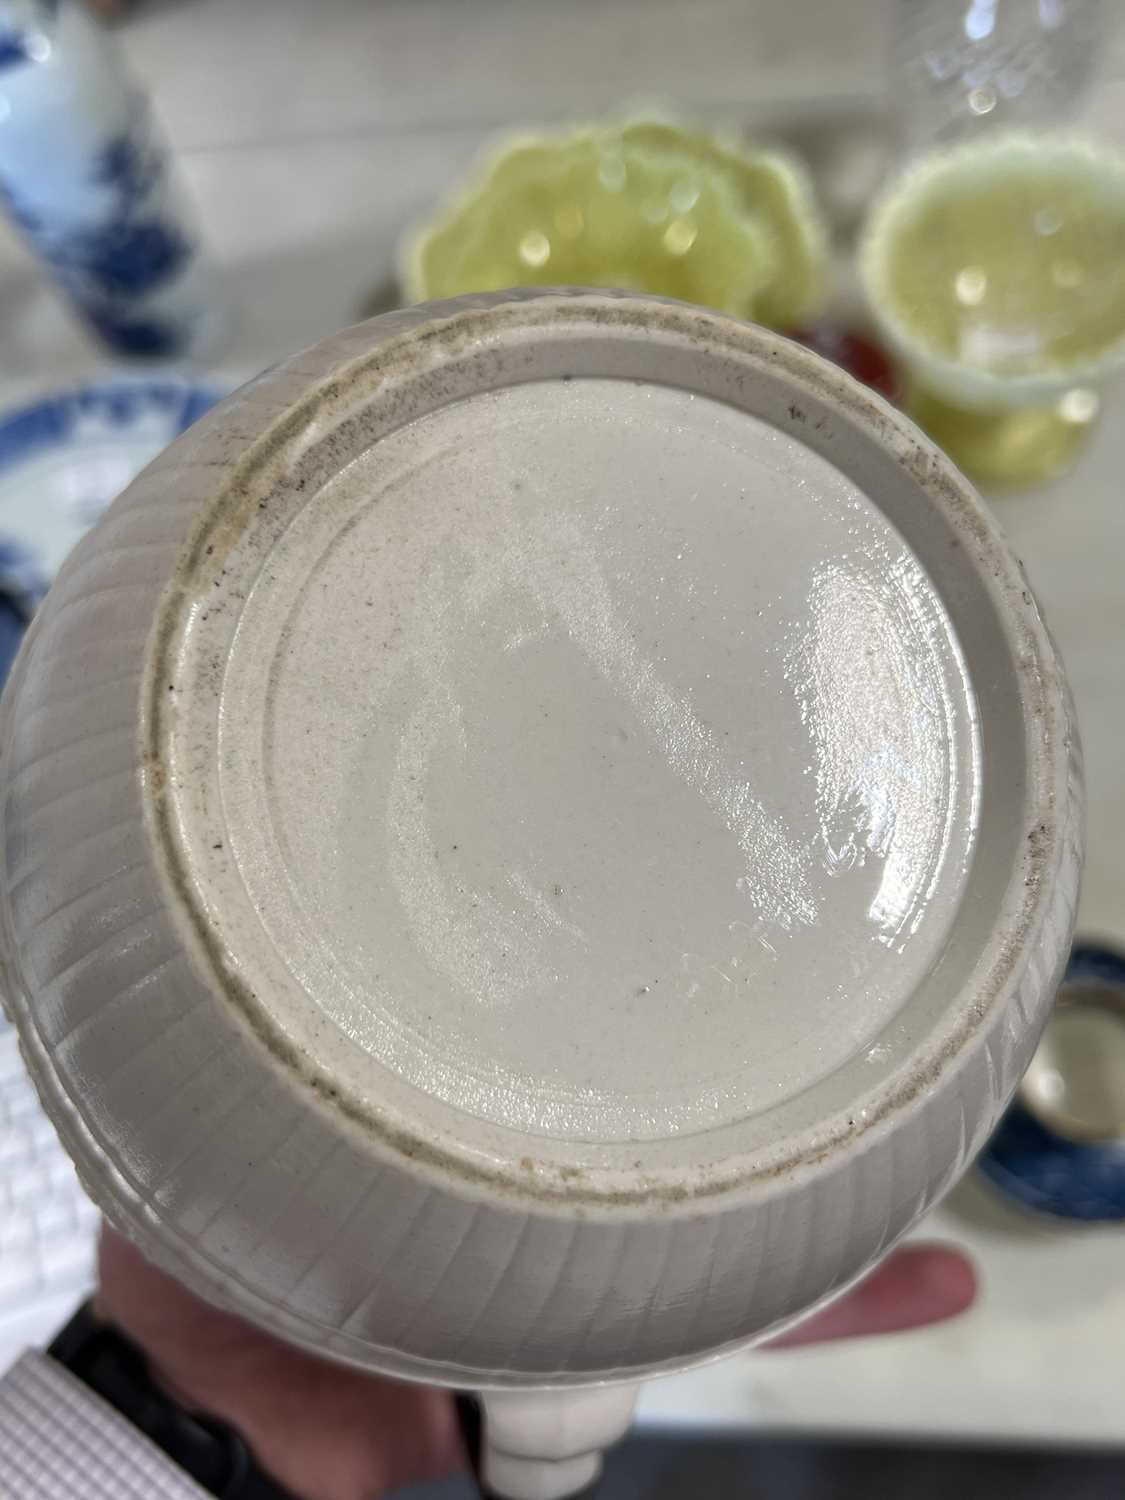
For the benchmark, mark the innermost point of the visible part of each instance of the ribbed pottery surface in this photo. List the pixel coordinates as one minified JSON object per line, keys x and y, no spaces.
{"x":251,"y":1186}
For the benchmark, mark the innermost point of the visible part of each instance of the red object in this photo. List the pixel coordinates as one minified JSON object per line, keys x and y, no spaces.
{"x":855,"y":353}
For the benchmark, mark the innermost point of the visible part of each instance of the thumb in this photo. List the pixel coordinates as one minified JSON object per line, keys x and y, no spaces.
{"x":917,"y":1285}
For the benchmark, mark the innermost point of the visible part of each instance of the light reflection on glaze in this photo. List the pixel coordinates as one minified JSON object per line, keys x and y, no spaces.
{"x":880,"y":721}
{"x":872,"y":696}
{"x":559,"y":894}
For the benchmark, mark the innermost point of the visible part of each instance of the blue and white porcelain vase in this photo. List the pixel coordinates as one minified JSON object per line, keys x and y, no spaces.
{"x":86,"y":176}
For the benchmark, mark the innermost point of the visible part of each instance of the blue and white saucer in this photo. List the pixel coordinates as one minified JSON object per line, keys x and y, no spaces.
{"x":65,"y":457}
{"x":1060,"y":1149}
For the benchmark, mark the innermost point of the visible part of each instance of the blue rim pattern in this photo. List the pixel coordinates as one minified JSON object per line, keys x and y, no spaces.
{"x":1067,"y":1179}
{"x":45,"y":424}
{"x":30,"y":431}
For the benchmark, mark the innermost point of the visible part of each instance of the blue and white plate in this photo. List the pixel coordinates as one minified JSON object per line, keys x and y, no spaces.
{"x":1060,"y":1149}
{"x":64,"y":458}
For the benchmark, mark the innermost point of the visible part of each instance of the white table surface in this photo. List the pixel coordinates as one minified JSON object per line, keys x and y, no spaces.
{"x":310,"y":134}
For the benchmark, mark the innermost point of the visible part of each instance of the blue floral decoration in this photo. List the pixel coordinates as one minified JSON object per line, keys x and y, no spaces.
{"x":13,"y":49}
{"x":136,"y":335}
{"x":131,"y":251}
{"x":13,"y":43}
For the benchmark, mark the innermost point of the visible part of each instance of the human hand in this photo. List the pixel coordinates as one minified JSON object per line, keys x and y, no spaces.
{"x":327,"y":1432}
{"x":914,"y":1286}
{"x":323,"y":1431}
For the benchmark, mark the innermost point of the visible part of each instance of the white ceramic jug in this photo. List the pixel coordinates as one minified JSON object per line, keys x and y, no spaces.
{"x":538,"y":838}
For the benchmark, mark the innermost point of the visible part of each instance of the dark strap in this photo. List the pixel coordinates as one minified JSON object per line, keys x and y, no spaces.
{"x":470,"y":1419}
{"x":210,"y":1451}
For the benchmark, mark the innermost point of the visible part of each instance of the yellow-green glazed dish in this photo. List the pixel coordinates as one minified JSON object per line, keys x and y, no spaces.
{"x":649,"y":206}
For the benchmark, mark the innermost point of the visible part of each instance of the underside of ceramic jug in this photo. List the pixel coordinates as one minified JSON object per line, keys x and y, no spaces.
{"x":539,"y":837}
